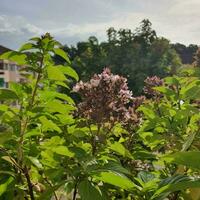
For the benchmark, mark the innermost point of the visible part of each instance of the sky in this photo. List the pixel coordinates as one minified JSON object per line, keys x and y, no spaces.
{"x":70,"y":21}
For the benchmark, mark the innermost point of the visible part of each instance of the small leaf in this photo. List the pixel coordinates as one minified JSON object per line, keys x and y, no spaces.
{"x":62,"y":150}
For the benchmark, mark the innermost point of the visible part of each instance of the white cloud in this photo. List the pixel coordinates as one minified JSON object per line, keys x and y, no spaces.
{"x":176,"y":20}
{"x":17,"y":25}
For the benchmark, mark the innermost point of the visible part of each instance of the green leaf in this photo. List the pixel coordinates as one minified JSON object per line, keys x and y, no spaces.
{"x":14,"y":56}
{"x":189,"y":141}
{"x":48,"y":193}
{"x":151,"y":139}
{"x":4,"y":186}
{"x":144,"y":155}
{"x":32,"y":133}
{"x":62,"y":54}
{"x":114,"y":166}
{"x":148,"y":112}
{"x":36,"y":162}
{"x":54,"y":73}
{"x":17,"y":88}
{"x":146,"y":176}
{"x":26,"y":46}
{"x":63,"y":84}
{"x":54,"y":141}
{"x":7,"y":94}
{"x":164,"y":90}
{"x":88,"y":191}
{"x":69,"y":72}
{"x":120,"y":149}
{"x":115,"y":179}
{"x":57,"y":106}
{"x":63,"y":150}
{"x":11,"y":173}
{"x":189,"y":159}
{"x":48,"y":125}
{"x":10,"y":160}
{"x":51,"y":95}
{"x":190,"y":89}
{"x":172,"y":80}
{"x":169,"y":188}
{"x":5,"y":136}
{"x":37,"y":39}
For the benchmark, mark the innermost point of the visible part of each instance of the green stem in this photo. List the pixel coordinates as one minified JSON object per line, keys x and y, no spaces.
{"x":24,"y":124}
{"x":75,"y":192}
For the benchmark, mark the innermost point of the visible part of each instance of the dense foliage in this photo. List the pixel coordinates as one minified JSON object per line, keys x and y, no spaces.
{"x":113,"y":146}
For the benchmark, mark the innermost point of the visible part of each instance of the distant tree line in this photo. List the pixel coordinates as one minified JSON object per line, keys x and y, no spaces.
{"x":133,"y":54}
{"x":186,"y":53}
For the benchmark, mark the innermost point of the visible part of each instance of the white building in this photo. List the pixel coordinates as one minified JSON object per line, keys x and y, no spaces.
{"x":9,"y":71}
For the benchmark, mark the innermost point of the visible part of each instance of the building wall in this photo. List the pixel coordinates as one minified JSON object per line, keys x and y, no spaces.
{"x":8,"y":73}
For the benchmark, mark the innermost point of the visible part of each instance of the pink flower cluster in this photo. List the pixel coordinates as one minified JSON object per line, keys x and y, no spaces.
{"x":106,"y":98}
{"x":151,"y":82}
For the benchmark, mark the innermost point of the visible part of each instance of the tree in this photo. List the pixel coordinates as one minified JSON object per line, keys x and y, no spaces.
{"x":186,"y":53}
{"x":197,"y":58}
{"x":133,"y":54}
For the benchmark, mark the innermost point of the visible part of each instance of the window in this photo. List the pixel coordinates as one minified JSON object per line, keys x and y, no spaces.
{"x":1,"y":66}
{"x":6,"y":66}
{"x":2,"y":82}
{"x":12,"y":67}
{"x":6,"y":84}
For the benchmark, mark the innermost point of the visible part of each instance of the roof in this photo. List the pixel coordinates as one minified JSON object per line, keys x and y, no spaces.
{"x":3,"y":49}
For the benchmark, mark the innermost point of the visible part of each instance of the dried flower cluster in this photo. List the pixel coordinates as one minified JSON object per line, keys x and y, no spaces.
{"x":106,"y":98}
{"x":134,"y":117}
{"x":151,"y":82}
